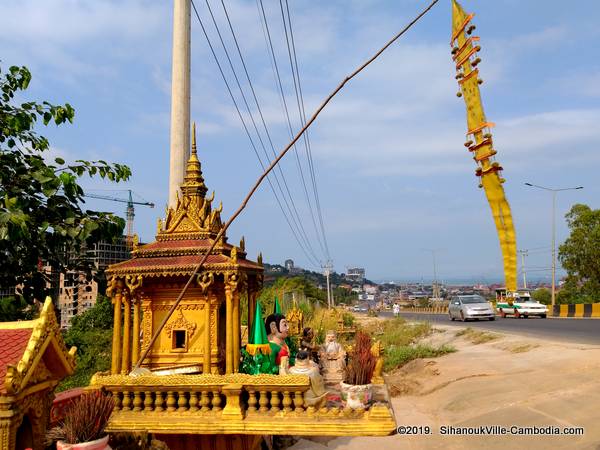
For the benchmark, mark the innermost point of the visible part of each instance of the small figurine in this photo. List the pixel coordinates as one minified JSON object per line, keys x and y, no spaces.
{"x":332,"y":359}
{"x":307,"y":345}
{"x":316,"y":395}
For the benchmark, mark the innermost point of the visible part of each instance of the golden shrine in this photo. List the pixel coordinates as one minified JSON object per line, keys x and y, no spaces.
{"x":33,"y":360}
{"x":200,"y":334}
{"x":193,"y":394}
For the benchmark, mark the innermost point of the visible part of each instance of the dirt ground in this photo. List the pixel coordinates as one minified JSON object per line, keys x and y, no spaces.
{"x":501,"y":380}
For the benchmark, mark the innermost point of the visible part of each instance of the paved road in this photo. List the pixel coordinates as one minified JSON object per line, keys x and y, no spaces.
{"x":584,"y":331}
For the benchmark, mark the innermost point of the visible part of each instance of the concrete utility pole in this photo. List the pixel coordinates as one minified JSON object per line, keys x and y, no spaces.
{"x":435,"y":288}
{"x":327,"y":271}
{"x":554,"y":191}
{"x":523,"y":254}
{"x":180,"y":97}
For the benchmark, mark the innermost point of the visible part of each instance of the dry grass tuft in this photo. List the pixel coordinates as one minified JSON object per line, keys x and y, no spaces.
{"x":477,"y":336}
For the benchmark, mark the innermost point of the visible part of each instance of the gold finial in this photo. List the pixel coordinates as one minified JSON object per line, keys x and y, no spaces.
{"x":193,"y":183}
{"x":243,"y":244}
{"x":259,"y":259}
{"x":194,"y":149}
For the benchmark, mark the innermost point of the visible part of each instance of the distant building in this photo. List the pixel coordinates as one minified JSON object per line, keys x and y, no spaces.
{"x":289,"y":264}
{"x":76,"y":292}
{"x":355,"y":274}
{"x":370,"y":289}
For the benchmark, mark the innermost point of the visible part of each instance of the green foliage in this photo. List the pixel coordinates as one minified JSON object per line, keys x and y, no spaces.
{"x":399,"y":338}
{"x":12,"y":309}
{"x":542,"y":295}
{"x":348,"y":319}
{"x":40,"y":214}
{"x":399,"y":332}
{"x":580,"y":256}
{"x":91,"y":333}
{"x":398,"y":356}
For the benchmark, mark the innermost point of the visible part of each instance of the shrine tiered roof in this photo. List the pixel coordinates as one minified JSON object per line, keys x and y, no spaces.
{"x":186,"y":234}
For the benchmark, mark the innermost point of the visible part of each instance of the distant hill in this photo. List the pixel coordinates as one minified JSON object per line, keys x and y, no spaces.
{"x":312,"y":284}
{"x":275,"y":271}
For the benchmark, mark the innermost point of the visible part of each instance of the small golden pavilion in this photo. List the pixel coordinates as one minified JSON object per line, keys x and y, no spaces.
{"x":203,"y":333}
{"x":193,"y":395}
{"x":33,"y":360}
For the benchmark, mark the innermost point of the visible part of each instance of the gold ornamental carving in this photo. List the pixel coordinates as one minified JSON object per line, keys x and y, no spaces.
{"x":180,"y":323}
{"x":133,"y":283}
{"x":201,"y":380}
{"x":204,"y":280}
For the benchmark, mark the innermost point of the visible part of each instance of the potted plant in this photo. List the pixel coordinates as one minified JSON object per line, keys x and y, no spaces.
{"x":84,"y":423}
{"x":356,"y":387}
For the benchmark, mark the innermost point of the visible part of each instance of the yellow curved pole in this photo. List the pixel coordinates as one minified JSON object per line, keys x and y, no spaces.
{"x":465,"y":48}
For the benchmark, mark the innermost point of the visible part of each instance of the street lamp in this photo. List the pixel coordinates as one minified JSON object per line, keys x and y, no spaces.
{"x":554,"y":191}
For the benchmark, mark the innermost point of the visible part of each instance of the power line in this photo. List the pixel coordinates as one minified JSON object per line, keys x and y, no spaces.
{"x":302,"y":116}
{"x":258,"y":108}
{"x":310,"y":258}
{"x":293,"y":210}
{"x":282,"y":95}
{"x":311,"y":163}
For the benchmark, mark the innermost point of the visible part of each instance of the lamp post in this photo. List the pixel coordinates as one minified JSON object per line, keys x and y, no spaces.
{"x":554,"y":191}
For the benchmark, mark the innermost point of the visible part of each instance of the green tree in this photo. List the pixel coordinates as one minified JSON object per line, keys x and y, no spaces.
{"x":41,"y":219}
{"x":91,"y":333}
{"x":15,"y":308}
{"x":580,"y":256}
{"x":542,"y":295}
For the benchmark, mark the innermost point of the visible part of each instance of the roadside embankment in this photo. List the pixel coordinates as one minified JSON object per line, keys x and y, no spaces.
{"x":492,"y":379}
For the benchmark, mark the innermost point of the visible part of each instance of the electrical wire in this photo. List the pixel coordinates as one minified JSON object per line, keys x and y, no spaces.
{"x":311,"y":163}
{"x":302,"y":117}
{"x":293,"y":210}
{"x":253,"y":145}
{"x":279,"y":84}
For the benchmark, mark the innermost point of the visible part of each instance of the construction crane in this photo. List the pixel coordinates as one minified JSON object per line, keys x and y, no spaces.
{"x":129,"y":212}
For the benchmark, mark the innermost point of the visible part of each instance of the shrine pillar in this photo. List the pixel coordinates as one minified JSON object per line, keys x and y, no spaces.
{"x":136,"y":330}
{"x":229,"y":329}
{"x":207,"y":347}
{"x":236,"y":330}
{"x":115,"y":292}
{"x":126,"y":354}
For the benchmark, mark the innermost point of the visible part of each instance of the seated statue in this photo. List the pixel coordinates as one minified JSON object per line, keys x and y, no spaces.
{"x":332,"y":359}
{"x":316,"y":394}
{"x":277,"y":330}
{"x":307,"y":344}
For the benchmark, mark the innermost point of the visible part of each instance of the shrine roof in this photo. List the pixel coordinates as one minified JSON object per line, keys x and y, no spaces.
{"x":13,"y":345}
{"x":186,"y":234}
{"x":24,"y":344}
{"x":179,"y":244}
{"x":179,"y":265}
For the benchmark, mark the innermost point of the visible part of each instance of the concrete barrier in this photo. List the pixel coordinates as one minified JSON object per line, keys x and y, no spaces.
{"x":578,"y":310}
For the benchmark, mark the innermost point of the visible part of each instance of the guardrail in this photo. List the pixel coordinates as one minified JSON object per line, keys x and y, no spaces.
{"x":427,"y":310}
{"x":577,"y":310}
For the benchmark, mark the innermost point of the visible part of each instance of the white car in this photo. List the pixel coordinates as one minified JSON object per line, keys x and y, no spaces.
{"x":521,"y":307}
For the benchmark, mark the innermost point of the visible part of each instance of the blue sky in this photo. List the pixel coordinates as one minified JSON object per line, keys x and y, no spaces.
{"x":393,"y":175}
